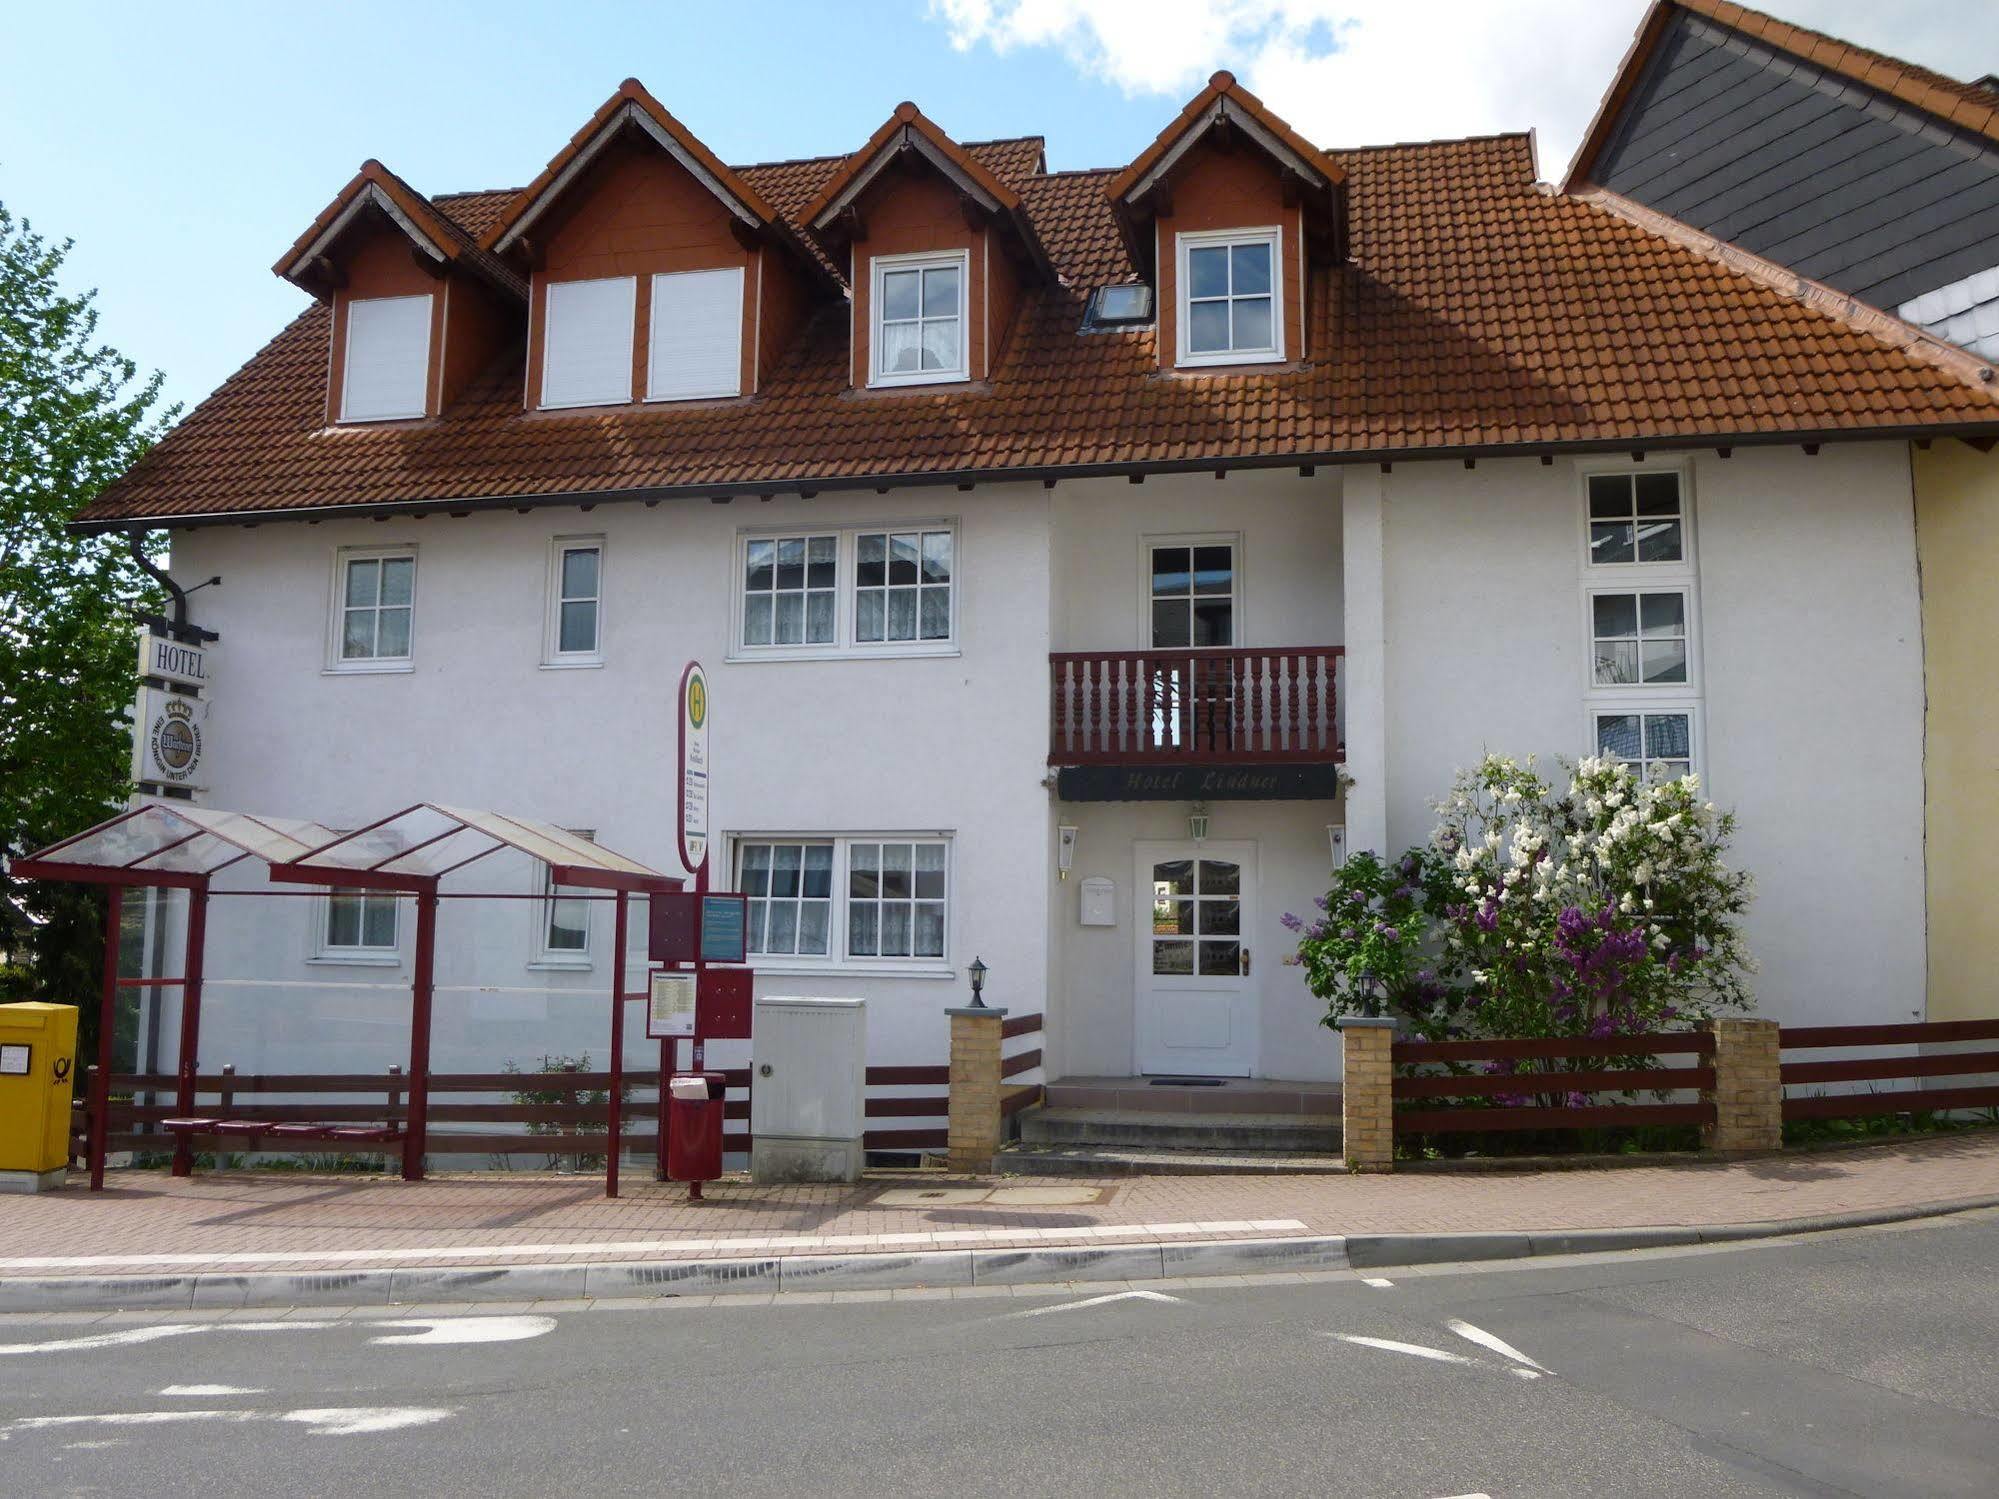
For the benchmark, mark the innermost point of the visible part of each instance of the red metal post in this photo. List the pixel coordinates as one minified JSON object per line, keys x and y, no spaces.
{"x":696,"y":1050}
{"x":614,"y":1134}
{"x":100,"y":1082}
{"x":188,"y":1062}
{"x":420,"y":992}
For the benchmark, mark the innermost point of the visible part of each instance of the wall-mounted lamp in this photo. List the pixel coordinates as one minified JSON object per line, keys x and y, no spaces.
{"x":1336,"y":839}
{"x":1197,"y":822}
{"x":1065,"y":848}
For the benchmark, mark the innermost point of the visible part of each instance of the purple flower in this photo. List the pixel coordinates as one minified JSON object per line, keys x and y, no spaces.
{"x":1291,"y":923}
{"x":1321,"y":902}
{"x":1488,"y":916}
{"x":1349,"y":934}
{"x":1388,"y":933}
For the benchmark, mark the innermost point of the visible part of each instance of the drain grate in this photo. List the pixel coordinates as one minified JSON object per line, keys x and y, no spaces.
{"x":1185,"y":1082}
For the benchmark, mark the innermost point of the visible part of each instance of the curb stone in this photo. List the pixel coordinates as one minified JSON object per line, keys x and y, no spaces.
{"x":938,"y":1270}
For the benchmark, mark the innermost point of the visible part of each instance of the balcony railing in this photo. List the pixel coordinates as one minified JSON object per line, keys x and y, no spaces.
{"x":1233,"y":705}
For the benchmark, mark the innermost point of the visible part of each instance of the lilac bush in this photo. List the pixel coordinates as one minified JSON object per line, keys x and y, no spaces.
{"x":1607,"y":909}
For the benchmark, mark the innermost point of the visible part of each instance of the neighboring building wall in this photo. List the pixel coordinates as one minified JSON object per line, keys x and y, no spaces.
{"x":1811,"y":704}
{"x":953,"y":744}
{"x":1957,"y":541}
{"x":1805,"y":167}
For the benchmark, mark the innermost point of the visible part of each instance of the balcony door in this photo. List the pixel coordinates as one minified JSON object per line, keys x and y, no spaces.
{"x":1192,"y":606}
{"x":1196,"y":1002}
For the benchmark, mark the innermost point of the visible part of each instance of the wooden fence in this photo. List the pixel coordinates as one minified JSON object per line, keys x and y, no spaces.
{"x":499,"y":1122}
{"x":1854,"y":1104}
{"x":1428,"y":1088}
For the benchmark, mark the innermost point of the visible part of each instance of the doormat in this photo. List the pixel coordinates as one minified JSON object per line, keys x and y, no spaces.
{"x":1186,"y":1082}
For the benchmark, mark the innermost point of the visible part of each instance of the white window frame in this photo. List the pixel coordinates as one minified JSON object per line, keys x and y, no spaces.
{"x":347,"y":361}
{"x":1272,"y":235}
{"x":548,"y":299}
{"x":336,"y":663}
{"x":1681,"y":577}
{"x":734,"y":384}
{"x":325,"y":950}
{"x":806,"y":649}
{"x":1233,"y":540}
{"x":879,"y":267}
{"x":1696,"y":745}
{"x":838,"y":962}
{"x":552,"y":654}
{"x":549,"y":957}
{"x":846,"y":644}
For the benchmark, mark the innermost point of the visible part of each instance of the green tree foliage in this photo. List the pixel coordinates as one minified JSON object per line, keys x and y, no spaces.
{"x":74,"y":415}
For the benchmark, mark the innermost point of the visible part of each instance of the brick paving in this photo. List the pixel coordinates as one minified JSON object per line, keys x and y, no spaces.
{"x":306,"y":1222}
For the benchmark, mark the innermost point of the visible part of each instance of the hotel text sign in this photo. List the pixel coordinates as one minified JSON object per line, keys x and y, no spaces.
{"x":171,"y":661}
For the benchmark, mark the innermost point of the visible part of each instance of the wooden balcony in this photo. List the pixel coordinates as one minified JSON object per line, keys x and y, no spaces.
{"x":1240,"y":705}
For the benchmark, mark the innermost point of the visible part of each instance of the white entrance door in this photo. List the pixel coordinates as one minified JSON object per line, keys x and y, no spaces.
{"x":1197,"y":1007}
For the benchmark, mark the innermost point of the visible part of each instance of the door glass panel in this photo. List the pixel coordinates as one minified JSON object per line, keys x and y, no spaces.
{"x":1201,"y":900}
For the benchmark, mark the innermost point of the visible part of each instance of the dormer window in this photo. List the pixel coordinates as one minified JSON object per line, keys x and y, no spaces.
{"x":1229,"y":293}
{"x":1125,"y":305}
{"x":588,"y":343}
{"x":388,"y":359}
{"x":920,"y":314}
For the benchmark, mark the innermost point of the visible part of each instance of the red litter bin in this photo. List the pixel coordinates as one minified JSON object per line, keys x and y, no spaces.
{"x":694,"y":1111}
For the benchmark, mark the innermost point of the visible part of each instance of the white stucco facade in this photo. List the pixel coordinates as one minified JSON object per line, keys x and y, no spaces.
{"x":1458,"y":595}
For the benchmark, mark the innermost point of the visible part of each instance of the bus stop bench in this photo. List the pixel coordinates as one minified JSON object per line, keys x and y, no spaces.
{"x":187,"y":1129}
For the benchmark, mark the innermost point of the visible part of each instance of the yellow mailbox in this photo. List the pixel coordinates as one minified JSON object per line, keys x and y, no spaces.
{"x":37,"y":1064}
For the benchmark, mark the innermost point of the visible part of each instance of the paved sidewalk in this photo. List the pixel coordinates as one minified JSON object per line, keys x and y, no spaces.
{"x":147,"y":1223}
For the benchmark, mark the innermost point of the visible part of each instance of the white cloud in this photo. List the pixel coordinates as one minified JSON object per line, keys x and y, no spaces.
{"x":1360,"y":72}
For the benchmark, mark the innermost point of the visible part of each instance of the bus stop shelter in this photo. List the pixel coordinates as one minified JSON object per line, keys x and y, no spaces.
{"x":411,"y":852}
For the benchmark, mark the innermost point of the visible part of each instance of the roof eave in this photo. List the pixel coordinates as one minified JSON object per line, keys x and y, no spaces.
{"x":1050,"y":473}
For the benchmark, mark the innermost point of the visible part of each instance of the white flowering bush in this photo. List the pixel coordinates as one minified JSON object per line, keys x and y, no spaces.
{"x":1606,"y":909}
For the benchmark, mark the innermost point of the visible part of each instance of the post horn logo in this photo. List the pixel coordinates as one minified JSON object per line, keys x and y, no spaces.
{"x":697,"y":700}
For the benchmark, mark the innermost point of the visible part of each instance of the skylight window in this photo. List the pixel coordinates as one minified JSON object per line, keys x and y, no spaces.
{"x":1121,"y":306}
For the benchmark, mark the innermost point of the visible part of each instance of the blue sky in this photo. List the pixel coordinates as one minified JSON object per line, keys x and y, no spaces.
{"x":183,"y":146}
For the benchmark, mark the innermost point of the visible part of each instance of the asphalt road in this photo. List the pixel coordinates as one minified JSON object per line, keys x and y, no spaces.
{"x":1860,"y":1363}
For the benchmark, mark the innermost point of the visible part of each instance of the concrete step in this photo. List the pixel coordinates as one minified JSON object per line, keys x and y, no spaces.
{"x":1296,"y":1134}
{"x":1111,"y":1160}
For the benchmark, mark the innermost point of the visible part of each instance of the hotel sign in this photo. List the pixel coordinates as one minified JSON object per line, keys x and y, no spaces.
{"x":1185,"y":783}
{"x":171,"y":661}
{"x":168,"y":746}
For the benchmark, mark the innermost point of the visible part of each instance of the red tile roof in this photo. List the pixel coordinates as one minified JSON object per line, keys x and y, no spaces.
{"x":907,"y":121}
{"x":1223,"y":86}
{"x":1479,"y":313}
{"x":450,"y":234}
{"x":1969,"y":106}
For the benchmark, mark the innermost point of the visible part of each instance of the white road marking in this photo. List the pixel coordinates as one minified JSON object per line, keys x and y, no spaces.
{"x":1077,"y":1306}
{"x":210,"y":1391}
{"x":125,"y":1339}
{"x":1380,"y":1283}
{"x":757,"y":1244}
{"x":1497,"y":1344}
{"x":359,"y":1420}
{"x":468,"y":1330}
{"x":1415,"y":1350}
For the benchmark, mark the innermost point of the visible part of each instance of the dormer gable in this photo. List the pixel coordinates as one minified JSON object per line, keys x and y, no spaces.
{"x":937,"y":250}
{"x":657,"y":272}
{"x":417,"y":304}
{"x":1226,"y":211}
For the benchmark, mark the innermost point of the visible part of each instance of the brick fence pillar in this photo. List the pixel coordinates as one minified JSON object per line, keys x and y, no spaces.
{"x":974,"y":1110}
{"x":1367,"y":1093}
{"x":1748,"y":1094}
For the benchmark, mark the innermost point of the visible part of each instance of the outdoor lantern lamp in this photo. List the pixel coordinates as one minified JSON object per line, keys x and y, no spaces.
{"x":1197,"y":822}
{"x":978,"y":973}
{"x":1336,"y":838}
